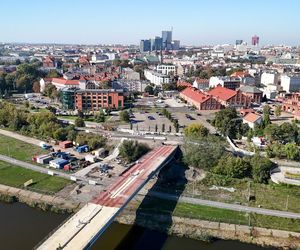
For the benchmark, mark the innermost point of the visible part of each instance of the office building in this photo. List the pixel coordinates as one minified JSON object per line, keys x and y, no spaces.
{"x":145,"y":45}
{"x":96,"y":99}
{"x":175,"y":45}
{"x":238,"y":42}
{"x":255,"y":40}
{"x":166,"y":40}
{"x":290,"y":83}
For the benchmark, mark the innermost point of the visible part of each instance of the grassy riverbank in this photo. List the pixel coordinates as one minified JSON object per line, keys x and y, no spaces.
{"x":18,"y":149}
{"x":185,"y":210}
{"x":14,"y":176}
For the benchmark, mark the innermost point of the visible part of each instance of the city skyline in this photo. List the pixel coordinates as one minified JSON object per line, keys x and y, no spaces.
{"x":194,"y":23}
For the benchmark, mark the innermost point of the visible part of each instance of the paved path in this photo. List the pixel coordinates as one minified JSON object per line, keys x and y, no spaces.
{"x":20,"y":137}
{"x":223,"y":205}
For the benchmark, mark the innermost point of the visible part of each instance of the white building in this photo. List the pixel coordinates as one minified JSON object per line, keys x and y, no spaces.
{"x":269,"y":78}
{"x":166,"y":69}
{"x":252,"y":119}
{"x":201,"y":84}
{"x":130,"y":74}
{"x":224,"y":81}
{"x":156,"y":78}
{"x":290,"y":83}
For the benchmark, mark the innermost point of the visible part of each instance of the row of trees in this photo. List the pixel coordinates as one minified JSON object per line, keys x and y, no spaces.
{"x":25,"y":78}
{"x":167,"y":114}
{"x":44,"y":125}
{"x":206,"y":73}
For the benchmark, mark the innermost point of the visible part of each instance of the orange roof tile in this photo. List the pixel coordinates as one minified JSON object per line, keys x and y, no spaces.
{"x":251,"y":117}
{"x":222,"y":93}
{"x":195,"y":94}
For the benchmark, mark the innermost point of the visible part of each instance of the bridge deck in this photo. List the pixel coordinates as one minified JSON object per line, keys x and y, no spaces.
{"x":91,"y":221}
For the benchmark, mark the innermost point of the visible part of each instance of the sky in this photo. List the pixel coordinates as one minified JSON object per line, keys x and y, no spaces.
{"x":194,"y":22}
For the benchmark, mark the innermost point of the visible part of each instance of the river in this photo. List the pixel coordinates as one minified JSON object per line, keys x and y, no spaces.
{"x":22,"y":227}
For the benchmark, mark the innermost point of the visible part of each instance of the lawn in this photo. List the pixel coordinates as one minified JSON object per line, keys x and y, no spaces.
{"x":158,"y":206}
{"x":271,"y":196}
{"x":18,"y":149}
{"x":14,"y":176}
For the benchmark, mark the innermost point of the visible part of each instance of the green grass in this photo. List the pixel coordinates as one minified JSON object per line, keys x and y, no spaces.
{"x":158,"y":206}
{"x":14,"y":176}
{"x":18,"y":149}
{"x":270,"y":196}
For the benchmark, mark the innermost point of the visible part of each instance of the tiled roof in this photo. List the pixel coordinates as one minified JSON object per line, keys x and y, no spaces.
{"x":251,"y":117}
{"x":199,"y":80}
{"x":195,"y":94}
{"x":64,"y":81}
{"x":250,"y":89}
{"x":222,"y":93}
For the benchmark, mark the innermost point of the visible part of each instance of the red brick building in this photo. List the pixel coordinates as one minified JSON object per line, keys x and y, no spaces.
{"x":291,"y":103}
{"x":95,"y":99}
{"x":49,"y":62}
{"x":229,"y":97}
{"x":199,"y":99}
{"x":253,"y":93}
{"x":215,"y":99}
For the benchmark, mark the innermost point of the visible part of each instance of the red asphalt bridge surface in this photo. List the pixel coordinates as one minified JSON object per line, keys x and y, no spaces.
{"x":131,"y":181}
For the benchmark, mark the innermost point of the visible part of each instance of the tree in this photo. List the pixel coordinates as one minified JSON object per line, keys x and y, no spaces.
{"x":204,"y":153}
{"x":163,"y":128}
{"x":278,"y":111}
{"x":92,"y":140}
{"x":79,"y":122}
{"x":261,"y":168}
{"x":227,"y":122}
{"x":124,"y":116}
{"x":195,"y":130}
{"x":60,"y":134}
{"x":132,"y":150}
{"x":266,"y":115}
{"x":80,"y":114}
{"x":100,"y":116}
{"x":292,"y":151}
{"x":156,"y":127}
{"x":170,"y":129}
{"x":233,"y":167}
{"x":149,"y":89}
{"x":52,"y":74}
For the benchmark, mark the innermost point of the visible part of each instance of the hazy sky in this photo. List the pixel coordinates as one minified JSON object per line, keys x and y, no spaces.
{"x":194,"y":22}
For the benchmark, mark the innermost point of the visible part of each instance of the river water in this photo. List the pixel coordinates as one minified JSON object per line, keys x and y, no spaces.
{"x":22,"y":227}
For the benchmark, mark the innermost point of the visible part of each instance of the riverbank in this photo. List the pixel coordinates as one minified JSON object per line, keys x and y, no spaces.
{"x":208,"y":230}
{"x":197,"y":229}
{"x":37,"y":200}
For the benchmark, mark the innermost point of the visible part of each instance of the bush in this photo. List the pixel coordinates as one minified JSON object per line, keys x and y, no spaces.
{"x":233,"y":167}
{"x":124,"y":116}
{"x":132,"y":150}
{"x":92,"y":140}
{"x":79,"y":122}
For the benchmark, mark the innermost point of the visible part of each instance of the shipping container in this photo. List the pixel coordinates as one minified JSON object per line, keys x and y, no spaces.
{"x":65,"y":144}
{"x":82,"y":149}
{"x":58,"y":163}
